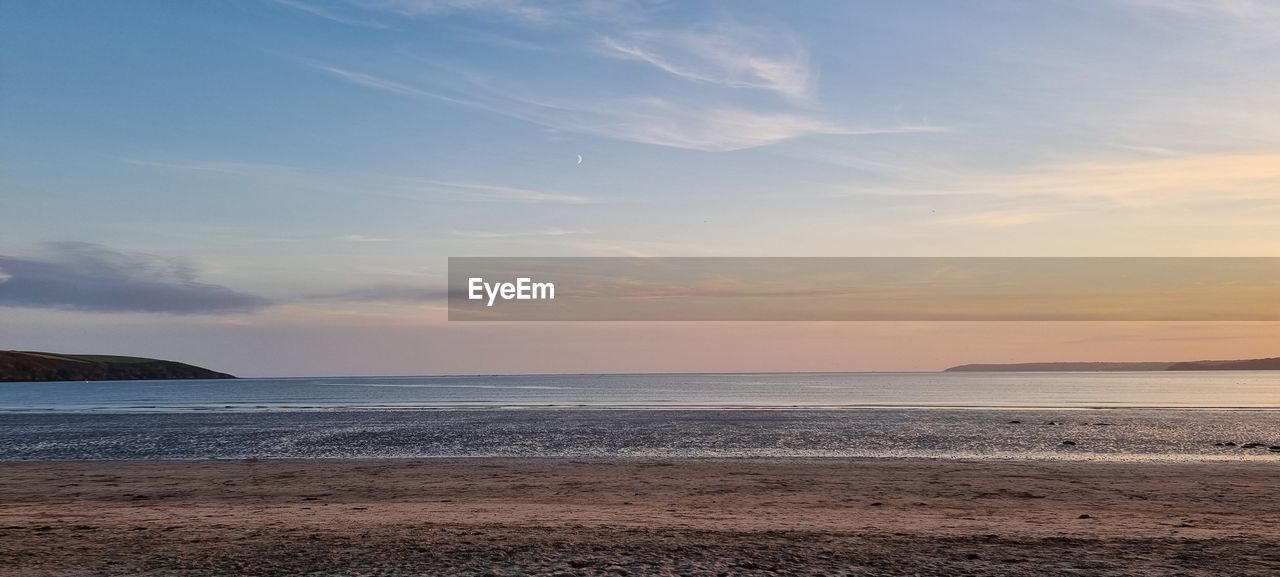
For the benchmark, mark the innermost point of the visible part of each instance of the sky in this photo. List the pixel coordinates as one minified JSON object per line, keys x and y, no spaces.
{"x":272,"y":187}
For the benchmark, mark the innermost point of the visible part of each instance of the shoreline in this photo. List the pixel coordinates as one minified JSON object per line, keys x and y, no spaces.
{"x":263,"y":409}
{"x":1115,"y":436}
{"x":510,"y":516}
{"x":1256,"y":457}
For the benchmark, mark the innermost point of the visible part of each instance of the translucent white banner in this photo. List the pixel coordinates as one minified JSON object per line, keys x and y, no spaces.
{"x":864,"y":289}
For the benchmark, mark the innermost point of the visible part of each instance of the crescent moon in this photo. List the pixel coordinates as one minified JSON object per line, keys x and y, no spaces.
{"x":579,"y":159}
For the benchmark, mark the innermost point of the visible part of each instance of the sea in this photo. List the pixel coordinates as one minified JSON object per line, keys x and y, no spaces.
{"x":1107,"y":416}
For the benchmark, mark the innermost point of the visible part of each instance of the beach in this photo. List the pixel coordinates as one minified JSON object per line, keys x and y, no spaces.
{"x":550,"y":516}
{"x":505,"y":288}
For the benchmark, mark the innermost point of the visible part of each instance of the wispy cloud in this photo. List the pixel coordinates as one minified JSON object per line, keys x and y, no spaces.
{"x":363,"y":238}
{"x":546,"y":232}
{"x":1253,"y":22}
{"x":85,"y":276}
{"x":1194,"y":332}
{"x":538,"y":13}
{"x":403,"y":187}
{"x":726,"y":55}
{"x":219,"y":167}
{"x":329,"y":14}
{"x":1240,"y":10}
{"x":521,"y":10}
{"x":1141,"y":180}
{"x":995,"y":218}
{"x":386,"y":292}
{"x":1176,"y":178}
{"x":720,"y":55}
{"x":711,"y":127}
{"x":475,"y":191}
{"x":386,"y":85}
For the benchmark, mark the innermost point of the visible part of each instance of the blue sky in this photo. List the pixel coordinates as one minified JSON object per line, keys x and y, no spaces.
{"x":297,"y":170}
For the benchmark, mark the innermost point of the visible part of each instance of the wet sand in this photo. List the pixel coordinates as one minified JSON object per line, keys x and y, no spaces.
{"x":616,"y":517}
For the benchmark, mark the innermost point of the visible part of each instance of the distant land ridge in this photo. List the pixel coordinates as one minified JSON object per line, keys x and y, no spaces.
{"x":1268,"y":364}
{"x":38,"y":366}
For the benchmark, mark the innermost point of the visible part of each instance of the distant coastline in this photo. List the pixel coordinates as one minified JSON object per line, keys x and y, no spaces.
{"x":1267,"y":364}
{"x":27,"y":366}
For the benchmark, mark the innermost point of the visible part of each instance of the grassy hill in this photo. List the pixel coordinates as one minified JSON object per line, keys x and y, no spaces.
{"x":41,"y":366}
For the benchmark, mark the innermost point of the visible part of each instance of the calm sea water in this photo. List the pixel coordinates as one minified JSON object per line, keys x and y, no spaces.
{"x":1109,"y":416}
{"x":1218,"y":389}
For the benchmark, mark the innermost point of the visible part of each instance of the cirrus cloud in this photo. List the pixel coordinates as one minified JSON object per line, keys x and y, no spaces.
{"x":725,"y":55}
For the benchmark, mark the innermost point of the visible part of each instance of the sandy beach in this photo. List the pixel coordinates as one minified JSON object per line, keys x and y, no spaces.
{"x":483,"y":516}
